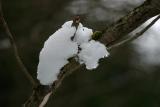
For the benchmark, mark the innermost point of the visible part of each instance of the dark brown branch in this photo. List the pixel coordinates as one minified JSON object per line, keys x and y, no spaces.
{"x":155,"y":3}
{"x":134,"y":36}
{"x":14,"y":47}
{"x":128,"y":23}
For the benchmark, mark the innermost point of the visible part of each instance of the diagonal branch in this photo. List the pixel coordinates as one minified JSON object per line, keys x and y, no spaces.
{"x":128,"y":23}
{"x":135,"y":36}
{"x":118,"y":30}
{"x":115,"y":32}
{"x":14,"y":47}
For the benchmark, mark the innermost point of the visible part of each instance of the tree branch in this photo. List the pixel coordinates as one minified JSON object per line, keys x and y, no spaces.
{"x":118,"y":30}
{"x":155,"y":3}
{"x":115,"y":32}
{"x":135,"y":36}
{"x":14,"y":47}
{"x":128,"y":23}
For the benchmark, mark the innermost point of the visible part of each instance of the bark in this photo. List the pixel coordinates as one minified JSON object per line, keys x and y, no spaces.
{"x":155,"y":3}
{"x":115,"y":32}
{"x":129,"y":23}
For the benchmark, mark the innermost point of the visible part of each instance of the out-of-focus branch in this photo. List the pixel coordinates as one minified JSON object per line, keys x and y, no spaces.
{"x":134,"y":36}
{"x":14,"y":47}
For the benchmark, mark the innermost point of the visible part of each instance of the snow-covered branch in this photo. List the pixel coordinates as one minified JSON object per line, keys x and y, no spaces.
{"x":73,"y":41}
{"x":115,"y":32}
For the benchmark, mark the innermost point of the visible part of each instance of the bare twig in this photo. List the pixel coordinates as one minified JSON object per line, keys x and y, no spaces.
{"x":45,"y":99}
{"x":16,"y":54}
{"x":64,"y":73}
{"x":135,"y":36}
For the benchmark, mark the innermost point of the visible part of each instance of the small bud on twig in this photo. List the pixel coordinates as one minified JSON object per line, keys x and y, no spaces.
{"x":76,"y":21}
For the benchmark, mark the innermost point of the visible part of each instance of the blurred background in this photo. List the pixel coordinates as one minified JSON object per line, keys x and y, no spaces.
{"x":130,"y":77}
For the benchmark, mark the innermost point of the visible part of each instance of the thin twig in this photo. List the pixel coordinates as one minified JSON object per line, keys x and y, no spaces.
{"x":135,"y":36}
{"x":45,"y":99}
{"x":58,"y":83}
{"x":16,"y":54}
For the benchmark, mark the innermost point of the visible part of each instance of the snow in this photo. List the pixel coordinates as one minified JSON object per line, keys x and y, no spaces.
{"x":91,"y":53}
{"x":60,"y":47}
{"x":83,"y":35}
{"x":57,"y":49}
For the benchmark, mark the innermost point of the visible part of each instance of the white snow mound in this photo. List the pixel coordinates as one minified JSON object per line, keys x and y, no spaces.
{"x":60,"y":47}
{"x":91,"y":53}
{"x":83,"y":34}
{"x":57,"y":49}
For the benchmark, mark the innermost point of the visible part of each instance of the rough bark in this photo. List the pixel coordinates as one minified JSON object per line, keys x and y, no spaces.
{"x":129,"y":23}
{"x":155,"y":3}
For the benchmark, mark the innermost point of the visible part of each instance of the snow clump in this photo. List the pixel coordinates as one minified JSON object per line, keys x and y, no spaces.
{"x":60,"y":47}
{"x":55,"y":53}
{"x":91,"y":52}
